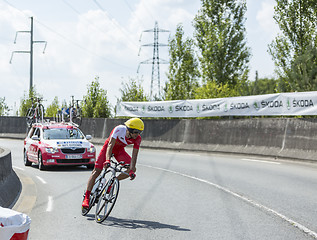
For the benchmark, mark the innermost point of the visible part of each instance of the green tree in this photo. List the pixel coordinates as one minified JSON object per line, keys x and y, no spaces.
{"x":133,"y":92}
{"x":211,"y":89}
{"x":303,"y":73}
{"x":261,"y":86}
{"x":220,"y":36}
{"x":3,"y":106}
{"x":96,"y":104}
{"x":297,"y":20}
{"x":183,"y":68}
{"x":53,"y":108}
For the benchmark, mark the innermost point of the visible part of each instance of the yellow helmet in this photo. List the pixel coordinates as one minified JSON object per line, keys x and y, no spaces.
{"x":135,"y":125}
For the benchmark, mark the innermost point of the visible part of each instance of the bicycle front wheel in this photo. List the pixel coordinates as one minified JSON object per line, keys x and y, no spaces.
{"x":107,"y":201}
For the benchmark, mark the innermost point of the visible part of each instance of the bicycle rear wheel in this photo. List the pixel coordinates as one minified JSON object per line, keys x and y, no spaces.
{"x":30,"y":117}
{"x":77,"y":120}
{"x":107,"y":201}
{"x":77,"y":116}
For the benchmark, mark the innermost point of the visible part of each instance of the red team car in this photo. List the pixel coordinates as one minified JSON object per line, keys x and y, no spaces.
{"x":53,"y":144}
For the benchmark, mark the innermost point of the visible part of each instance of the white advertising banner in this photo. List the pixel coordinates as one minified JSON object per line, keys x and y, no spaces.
{"x":279,"y":104}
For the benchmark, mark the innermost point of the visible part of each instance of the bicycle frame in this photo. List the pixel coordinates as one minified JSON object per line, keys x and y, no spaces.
{"x":100,"y":194}
{"x":71,"y":114}
{"x":118,"y":168}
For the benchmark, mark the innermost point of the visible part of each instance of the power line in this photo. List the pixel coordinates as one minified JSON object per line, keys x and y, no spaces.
{"x":81,"y":47}
{"x":122,"y":29}
{"x":148,"y":10}
{"x":155,"y":61}
{"x":79,"y":14}
{"x":132,"y":12}
{"x":89,"y":22}
{"x":29,"y":52}
{"x":110,"y":18}
{"x":71,"y":41}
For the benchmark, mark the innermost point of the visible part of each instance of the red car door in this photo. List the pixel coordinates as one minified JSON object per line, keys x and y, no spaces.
{"x":34,"y":146}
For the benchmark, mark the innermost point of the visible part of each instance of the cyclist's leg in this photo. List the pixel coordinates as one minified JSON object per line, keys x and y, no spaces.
{"x":122,"y":155}
{"x":91,"y":181}
{"x":94,"y":174}
{"x":99,"y":164}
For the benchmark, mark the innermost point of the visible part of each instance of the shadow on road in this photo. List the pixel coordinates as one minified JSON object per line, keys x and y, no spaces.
{"x":138,"y":224}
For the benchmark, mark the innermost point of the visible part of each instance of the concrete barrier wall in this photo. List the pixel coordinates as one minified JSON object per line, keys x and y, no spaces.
{"x":10,"y":185}
{"x":274,"y":137}
{"x":15,"y":125}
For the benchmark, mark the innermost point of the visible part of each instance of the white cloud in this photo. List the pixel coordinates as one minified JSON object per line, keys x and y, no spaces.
{"x":265,"y":18}
{"x":89,"y":42}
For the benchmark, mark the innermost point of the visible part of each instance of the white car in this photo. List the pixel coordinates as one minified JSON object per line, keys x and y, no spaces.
{"x":53,"y":144}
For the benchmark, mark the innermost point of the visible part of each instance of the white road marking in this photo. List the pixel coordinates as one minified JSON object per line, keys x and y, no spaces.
{"x":22,"y":169}
{"x":41,"y":179}
{"x":254,"y":160}
{"x":243,"y":198}
{"x":49,"y":204}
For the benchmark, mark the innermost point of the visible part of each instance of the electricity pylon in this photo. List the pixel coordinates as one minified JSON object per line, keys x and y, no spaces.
{"x":155,"y":61}
{"x":30,"y":52}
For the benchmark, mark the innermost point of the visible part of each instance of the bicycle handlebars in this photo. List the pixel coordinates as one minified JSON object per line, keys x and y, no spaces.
{"x":121,"y":164}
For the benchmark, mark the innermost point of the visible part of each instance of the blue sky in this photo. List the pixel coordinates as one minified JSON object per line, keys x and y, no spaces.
{"x":93,"y":38}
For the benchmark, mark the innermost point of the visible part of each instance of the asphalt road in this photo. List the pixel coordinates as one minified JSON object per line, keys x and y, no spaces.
{"x":176,"y":195}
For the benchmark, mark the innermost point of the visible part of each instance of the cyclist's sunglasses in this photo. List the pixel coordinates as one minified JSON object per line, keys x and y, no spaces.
{"x":133,"y":131}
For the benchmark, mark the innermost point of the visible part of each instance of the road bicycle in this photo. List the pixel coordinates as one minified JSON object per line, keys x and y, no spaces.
{"x":35,"y":113}
{"x":73,"y":114}
{"x":105,"y":193}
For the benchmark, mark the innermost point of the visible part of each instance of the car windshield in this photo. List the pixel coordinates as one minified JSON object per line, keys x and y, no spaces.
{"x":62,"y":133}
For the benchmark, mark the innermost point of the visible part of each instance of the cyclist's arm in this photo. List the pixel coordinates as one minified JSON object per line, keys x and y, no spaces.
{"x":109,"y":148}
{"x":134,"y":159}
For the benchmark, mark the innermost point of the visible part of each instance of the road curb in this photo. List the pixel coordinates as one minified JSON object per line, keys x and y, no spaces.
{"x":10,"y":185}
{"x":28,"y":196}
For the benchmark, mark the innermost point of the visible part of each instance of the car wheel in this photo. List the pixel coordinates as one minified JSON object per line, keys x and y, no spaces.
{"x":26,"y":160}
{"x":40,"y":160}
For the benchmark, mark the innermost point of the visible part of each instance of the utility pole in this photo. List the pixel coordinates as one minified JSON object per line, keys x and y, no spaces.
{"x":155,"y":61}
{"x":30,"y":52}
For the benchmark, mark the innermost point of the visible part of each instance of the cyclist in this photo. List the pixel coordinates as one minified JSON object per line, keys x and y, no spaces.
{"x":119,"y":138}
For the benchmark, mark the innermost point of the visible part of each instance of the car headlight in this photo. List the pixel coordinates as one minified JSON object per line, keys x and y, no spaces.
{"x":91,"y":149}
{"x":51,"y":150}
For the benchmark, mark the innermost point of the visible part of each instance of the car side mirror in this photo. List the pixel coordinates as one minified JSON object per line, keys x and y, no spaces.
{"x":88,"y":137}
{"x":36,"y":138}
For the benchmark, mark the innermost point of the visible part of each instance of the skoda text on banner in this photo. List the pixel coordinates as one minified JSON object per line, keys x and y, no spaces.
{"x":287,"y":104}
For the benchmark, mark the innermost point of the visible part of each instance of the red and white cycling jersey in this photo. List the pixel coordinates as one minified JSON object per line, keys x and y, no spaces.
{"x":119,"y":133}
